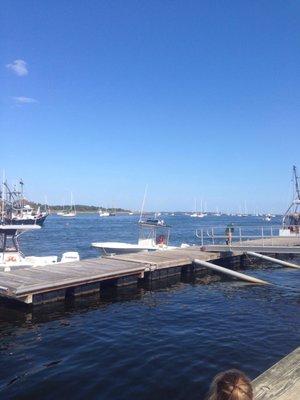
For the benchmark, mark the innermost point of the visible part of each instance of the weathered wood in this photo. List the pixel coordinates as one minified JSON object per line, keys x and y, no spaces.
{"x":167,"y":259}
{"x":34,"y":280}
{"x":281,"y":381}
{"x":50,"y":282}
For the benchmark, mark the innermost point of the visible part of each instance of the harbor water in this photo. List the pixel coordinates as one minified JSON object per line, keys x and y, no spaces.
{"x":163,"y":341}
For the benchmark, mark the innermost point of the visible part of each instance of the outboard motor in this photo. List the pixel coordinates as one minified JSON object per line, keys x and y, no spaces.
{"x":70,"y":256}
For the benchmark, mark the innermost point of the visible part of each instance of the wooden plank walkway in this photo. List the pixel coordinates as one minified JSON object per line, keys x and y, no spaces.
{"x":50,"y":282}
{"x":281,"y":381}
{"x":168,"y":258}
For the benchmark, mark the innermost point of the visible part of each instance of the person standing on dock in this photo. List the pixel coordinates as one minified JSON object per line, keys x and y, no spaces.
{"x":228,"y":232}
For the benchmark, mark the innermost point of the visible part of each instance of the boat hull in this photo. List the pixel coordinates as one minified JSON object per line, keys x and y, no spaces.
{"x":28,"y":221}
{"x":127,"y":248}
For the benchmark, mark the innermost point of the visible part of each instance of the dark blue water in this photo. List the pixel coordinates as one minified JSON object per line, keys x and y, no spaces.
{"x":167,"y":342}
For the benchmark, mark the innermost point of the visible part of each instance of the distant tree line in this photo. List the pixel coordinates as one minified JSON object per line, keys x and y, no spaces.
{"x":79,"y":207}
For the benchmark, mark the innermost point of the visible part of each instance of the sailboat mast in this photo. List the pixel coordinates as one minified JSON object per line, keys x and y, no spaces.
{"x":296,"y":182}
{"x":3,"y":195}
{"x":143,"y":203}
{"x":72,"y":203}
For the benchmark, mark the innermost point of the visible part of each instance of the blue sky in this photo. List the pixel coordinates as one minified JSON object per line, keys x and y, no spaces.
{"x":194,"y":98}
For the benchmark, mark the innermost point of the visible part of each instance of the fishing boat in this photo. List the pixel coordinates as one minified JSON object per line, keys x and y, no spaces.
{"x":28,"y":216}
{"x":12,"y":258}
{"x":291,"y":218}
{"x":17,"y":210}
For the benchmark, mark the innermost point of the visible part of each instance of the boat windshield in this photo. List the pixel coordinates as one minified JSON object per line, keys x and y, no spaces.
{"x":156,"y":234}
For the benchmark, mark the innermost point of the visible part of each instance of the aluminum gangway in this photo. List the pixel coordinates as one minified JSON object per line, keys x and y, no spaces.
{"x":264,"y":239}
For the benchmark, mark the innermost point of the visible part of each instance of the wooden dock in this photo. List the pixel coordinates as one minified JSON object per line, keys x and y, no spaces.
{"x":281,"y":381}
{"x":43,"y":284}
{"x":36,"y":285}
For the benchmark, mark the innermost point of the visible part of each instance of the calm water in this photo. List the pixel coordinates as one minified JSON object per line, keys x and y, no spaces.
{"x":167,"y":342}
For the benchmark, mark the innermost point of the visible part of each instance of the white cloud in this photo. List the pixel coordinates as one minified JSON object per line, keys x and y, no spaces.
{"x":24,"y":100}
{"x":19,"y":67}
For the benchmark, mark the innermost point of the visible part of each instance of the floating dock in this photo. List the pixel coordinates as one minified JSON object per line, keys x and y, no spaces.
{"x":281,"y":381}
{"x":43,"y":284}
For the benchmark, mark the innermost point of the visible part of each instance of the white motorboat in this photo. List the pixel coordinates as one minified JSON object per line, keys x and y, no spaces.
{"x":12,"y":258}
{"x":153,"y":235}
{"x":291,"y":219}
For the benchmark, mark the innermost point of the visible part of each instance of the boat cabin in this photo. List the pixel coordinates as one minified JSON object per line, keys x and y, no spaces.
{"x":9,"y":246}
{"x":153,"y":233}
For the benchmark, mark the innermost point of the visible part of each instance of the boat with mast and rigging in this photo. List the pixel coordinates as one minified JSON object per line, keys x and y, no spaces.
{"x":16,"y":210}
{"x":291,"y":218}
{"x":71,"y":212}
{"x":197,"y":214}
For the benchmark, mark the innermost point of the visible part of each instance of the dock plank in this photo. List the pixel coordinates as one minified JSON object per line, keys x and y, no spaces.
{"x":51,"y":277}
{"x":281,"y":381}
{"x":167,"y":259}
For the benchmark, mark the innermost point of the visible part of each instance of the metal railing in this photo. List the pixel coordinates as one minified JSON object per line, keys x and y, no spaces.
{"x":239,"y":235}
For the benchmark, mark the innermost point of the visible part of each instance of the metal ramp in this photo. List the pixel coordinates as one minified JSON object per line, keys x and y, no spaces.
{"x":240,"y":239}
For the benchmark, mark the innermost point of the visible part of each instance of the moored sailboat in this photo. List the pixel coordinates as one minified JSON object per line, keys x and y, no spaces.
{"x":71,"y":212}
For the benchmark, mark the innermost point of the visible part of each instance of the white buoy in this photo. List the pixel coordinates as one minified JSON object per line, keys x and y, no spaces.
{"x":230,"y":272}
{"x":274,"y":260}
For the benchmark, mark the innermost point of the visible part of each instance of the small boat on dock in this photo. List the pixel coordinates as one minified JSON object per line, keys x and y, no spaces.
{"x":12,"y":258}
{"x":154,"y":235}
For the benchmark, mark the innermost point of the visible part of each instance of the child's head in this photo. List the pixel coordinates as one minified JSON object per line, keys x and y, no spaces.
{"x":231,"y":385}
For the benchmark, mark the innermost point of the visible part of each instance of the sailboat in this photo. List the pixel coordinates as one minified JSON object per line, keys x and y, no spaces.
{"x":197,"y":214}
{"x":71,"y":213}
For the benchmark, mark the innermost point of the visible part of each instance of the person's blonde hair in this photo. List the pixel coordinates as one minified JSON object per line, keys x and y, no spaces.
{"x":230,"y":385}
